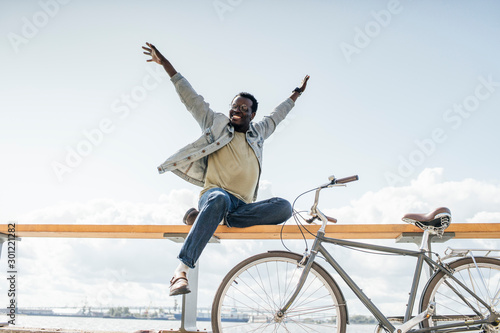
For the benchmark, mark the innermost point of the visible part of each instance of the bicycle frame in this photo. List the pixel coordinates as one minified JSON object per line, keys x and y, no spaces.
{"x":421,"y":256}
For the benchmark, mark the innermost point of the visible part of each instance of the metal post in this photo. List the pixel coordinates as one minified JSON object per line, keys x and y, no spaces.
{"x":3,"y":238}
{"x":190,"y":303}
{"x":416,"y":237}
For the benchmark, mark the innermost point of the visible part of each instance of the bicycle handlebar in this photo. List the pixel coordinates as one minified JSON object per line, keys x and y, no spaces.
{"x":346,"y":180}
{"x":315,"y":213}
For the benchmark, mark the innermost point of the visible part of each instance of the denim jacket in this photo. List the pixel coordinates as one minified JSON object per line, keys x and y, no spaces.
{"x":190,"y":162}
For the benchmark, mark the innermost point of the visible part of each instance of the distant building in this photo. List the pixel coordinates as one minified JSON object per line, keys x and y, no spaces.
{"x":36,"y":312}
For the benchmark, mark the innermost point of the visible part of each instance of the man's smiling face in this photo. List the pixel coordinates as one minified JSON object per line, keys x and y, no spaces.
{"x":241,"y":113}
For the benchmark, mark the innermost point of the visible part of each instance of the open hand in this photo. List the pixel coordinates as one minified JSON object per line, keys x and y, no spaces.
{"x":303,"y":84}
{"x":157,"y":57}
{"x":151,"y":50}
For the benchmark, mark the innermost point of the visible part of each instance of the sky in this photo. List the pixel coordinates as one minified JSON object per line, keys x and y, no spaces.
{"x":405,"y":94}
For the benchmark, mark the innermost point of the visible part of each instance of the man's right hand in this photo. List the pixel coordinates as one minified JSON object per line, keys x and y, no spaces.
{"x":157,"y":57}
{"x":152,"y":51}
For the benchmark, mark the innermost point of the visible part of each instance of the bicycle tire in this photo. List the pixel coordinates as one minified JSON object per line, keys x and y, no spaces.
{"x":255,"y":289}
{"x":453,"y":304}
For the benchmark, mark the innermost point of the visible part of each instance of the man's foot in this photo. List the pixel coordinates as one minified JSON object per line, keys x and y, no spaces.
{"x":179,"y":285}
{"x":190,"y":216}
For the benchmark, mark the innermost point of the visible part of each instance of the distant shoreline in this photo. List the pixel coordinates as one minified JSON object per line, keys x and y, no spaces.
{"x":355,"y":319}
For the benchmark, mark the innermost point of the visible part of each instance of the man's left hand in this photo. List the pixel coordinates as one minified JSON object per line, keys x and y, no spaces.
{"x":303,"y":84}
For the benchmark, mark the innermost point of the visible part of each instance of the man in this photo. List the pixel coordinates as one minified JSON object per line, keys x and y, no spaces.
{"x":226,"y":161}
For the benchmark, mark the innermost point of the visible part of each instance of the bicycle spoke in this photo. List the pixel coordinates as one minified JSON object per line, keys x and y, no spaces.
{"x":482,"y":280}
{"x":305,"y":311}
{"x":257,"y":309}
{"x":460,"y":296}
{"x":473,"y":285}
{"x":308,"y":298}
{"x":261,"y":286}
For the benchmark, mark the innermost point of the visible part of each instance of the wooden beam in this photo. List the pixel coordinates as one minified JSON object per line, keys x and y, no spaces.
{"x":341,"y":231}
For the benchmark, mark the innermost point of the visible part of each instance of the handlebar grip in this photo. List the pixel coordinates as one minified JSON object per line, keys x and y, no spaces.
{"x":331,"y":219}
{"x":347,"y":179}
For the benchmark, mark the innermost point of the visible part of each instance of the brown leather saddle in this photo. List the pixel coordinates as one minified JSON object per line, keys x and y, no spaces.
{"x":437,"y":220}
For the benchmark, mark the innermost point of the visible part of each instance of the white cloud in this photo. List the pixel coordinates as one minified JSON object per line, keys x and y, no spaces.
{"x":169,"y":209}
{"x":485,"y":217}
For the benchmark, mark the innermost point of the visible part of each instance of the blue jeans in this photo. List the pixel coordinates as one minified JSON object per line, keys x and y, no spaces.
{"x":216,"y":205}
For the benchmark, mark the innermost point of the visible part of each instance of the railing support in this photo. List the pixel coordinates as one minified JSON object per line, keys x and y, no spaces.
{"x":189,"y":301}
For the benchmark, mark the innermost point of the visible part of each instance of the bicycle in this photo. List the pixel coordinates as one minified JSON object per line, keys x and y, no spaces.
{"x":281,"y":291}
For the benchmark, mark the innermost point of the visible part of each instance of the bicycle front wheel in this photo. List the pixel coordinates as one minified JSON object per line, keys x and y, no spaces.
{"x":252,"y":293}
{"x":454,"y":305}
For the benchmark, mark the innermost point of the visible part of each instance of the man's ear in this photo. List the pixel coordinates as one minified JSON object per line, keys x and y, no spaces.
{"x":253,"y":115}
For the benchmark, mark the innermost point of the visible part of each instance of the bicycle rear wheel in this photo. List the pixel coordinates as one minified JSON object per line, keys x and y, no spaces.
{"x":454,"y":305}
{"x":252,"y":293}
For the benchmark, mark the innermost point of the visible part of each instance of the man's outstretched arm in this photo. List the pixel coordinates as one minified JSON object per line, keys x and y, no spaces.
{"x":269,"y":123}
{"x":157,"y":57}
{"x":194,"y":102}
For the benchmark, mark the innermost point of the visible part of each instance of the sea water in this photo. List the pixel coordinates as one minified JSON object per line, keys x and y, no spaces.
{"x":125,"y":325}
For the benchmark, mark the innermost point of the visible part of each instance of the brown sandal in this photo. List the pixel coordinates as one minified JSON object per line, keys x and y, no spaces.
{"x":179,"y":285}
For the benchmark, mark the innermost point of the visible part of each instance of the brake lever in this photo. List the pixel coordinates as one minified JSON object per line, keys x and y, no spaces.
{"x":330,"y":219}
{"x":311,"y":220}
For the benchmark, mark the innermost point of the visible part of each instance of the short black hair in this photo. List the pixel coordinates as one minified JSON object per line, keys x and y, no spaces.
{"x":255,"y":104}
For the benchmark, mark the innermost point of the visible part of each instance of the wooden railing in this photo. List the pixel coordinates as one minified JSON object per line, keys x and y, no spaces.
{"x":342,"y":231}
